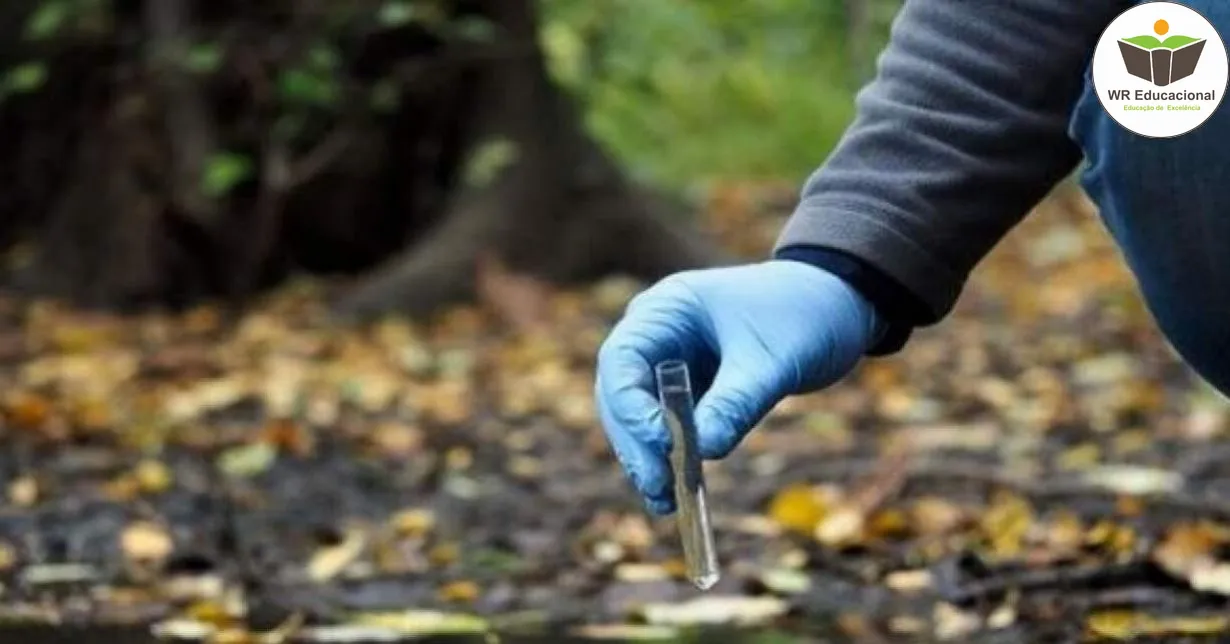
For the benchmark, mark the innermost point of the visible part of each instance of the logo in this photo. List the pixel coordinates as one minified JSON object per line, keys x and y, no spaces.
{"x":1160,"y":45}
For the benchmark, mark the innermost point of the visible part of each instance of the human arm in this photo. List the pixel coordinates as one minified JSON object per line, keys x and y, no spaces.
{"x":962,"y":132}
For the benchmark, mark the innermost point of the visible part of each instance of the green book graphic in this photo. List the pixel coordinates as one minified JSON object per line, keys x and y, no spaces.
{"x":1161,"y":62}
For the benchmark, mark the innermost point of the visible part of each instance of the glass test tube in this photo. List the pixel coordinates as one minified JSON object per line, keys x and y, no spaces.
{"x":695,"y":531}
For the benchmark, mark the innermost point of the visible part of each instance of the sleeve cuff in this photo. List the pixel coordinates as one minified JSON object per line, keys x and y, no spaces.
{"x":899,"y":309}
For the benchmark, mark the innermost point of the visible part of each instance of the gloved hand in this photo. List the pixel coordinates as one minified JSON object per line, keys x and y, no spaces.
{"x":751,"y":336}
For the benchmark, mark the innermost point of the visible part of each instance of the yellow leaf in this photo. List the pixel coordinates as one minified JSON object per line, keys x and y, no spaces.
{"x":414,"y":522}
{"x":1080,"y":457}
{"x":798,"y":507}
{"x":889,"y":524}
{"x":1005,"y":523}
{"x":210,"y":612}
{"x":1123,"y":625}
{"x":152,"y":476}
{"x":1113,"y":624}
{"x":1112,"y":537}
{"x":459,"y":591}
{"x":444,"y":554}
{"x":416,"y":622}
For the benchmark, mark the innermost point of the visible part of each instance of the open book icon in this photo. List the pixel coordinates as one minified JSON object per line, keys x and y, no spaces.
{"x":1161,"y":62}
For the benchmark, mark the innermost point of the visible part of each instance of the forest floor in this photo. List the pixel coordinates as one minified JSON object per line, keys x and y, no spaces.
{"x":1037,"y":468}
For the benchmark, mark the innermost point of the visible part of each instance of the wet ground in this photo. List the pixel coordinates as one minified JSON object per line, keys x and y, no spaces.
{"x":1039,"y":468}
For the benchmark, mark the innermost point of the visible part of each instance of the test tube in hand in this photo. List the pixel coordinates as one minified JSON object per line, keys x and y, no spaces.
{"x":695,"y":531}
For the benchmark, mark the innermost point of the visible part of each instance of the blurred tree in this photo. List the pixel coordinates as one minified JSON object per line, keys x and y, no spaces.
{"x":163,"y":151}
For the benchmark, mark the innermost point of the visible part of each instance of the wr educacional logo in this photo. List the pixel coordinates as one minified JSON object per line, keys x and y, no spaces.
{"x":1161,"y":62}
{"x":1180,"y":58}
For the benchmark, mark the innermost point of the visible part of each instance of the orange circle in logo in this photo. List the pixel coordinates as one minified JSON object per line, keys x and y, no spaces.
{"x":1161,"y":27}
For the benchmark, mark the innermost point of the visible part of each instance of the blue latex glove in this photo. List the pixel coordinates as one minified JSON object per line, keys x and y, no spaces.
{"x":751,"y":336}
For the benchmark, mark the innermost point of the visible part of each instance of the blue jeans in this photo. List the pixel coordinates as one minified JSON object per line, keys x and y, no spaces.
{"x":1167,"y":204}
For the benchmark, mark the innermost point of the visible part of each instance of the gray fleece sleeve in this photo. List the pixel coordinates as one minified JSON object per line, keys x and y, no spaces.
{"x":962,"y":132}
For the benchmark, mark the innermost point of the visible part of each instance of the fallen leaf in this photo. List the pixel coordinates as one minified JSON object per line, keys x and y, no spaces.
{"x":414,"y":522}
{"x":397,"y":440}
{"x":641,"y":572}
{"x":785,"y":581}
{"x":286,"y":435}
{"x":423,"y":622}
{"x":626,"y":632}
{"x":8,"y":556}
{"x":933,"y":516}
{"x":1134,"y":480}
{"x":443,"y":554}
{"x":329,"y":562}
{"x":1211,"y":578}
{"x":953,"y":623}
{"x":909,"y":581}
{"x":1125,"y":625}
{"x":146,"y":542}
{"x":459,"y":591}
{"x":1005,"y":523}
{"x":842,"y":527}
{"x":51,"y":574}
{"x":179,"y":629}
{"x":23,"y":491}
{"x":716,"y":609}
{"x":800,"y":507}
{"x":26,"y":411}
{"x":889,"y":524}
{"x":152,"y":477}
{"x":247,"y":460}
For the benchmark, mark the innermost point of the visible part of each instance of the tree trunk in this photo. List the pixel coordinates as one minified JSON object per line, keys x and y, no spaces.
{"x":560,"y":208}
{"x":483,"y":156}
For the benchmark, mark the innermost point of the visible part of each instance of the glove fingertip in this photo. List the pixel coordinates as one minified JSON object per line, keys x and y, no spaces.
{"x":659,"y":506}
{"x":717,"y":436}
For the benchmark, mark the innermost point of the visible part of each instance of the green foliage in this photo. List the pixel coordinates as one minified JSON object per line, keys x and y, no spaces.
{"x":395,"y":13}
{"x":687,"y":91}
{"x":488,"y":160}
{"x":47,"y":19}
{"x":24,"y":78}
{"x":204,"y":58}
{"x":223,"y":172}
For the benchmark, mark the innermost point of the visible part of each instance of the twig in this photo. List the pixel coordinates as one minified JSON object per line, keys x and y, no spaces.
{"x":319,"y":158}
{"x":1066,"y":578}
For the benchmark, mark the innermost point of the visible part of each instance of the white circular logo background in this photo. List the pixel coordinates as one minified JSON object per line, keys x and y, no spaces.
{"x":1166,"y":96}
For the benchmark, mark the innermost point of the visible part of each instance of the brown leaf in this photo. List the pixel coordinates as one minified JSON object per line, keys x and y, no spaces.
{"x":26,"y":410}
{"x":1188,"y":547}
{"x":934,"y":516}
{"x":288,"y":436}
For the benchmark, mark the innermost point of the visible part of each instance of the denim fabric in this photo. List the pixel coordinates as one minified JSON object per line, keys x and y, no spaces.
{"x":1167,"y":203}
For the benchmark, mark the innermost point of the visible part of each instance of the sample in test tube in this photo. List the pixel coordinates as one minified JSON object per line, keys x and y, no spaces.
{"x":695,"y":531}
